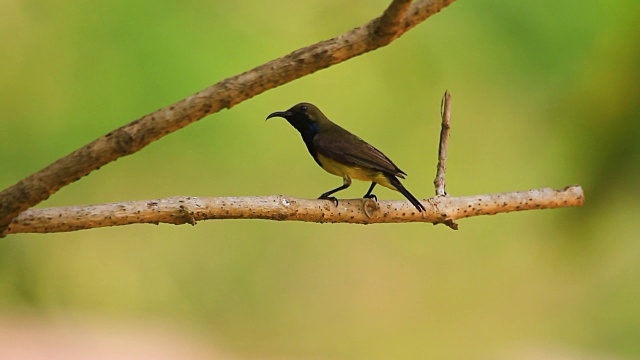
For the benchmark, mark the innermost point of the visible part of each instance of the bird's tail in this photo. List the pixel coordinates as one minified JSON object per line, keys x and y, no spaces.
{"x":398,"y":185}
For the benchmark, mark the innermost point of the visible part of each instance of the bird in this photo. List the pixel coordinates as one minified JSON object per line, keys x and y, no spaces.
{"x":344,"y":154}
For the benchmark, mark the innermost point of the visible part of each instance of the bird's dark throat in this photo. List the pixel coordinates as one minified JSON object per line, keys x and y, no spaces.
{"x":308,"y":130}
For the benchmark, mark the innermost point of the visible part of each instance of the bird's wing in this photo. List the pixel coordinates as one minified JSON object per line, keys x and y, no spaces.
{"x":353,"y":151}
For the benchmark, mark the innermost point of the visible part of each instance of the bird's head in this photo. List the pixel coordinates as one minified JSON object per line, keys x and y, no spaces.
{"x":305,"y":117}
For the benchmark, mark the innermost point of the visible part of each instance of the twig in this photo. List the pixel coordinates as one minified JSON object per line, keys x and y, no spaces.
{"x":396,"y":20}
{"x":439,"y":181}
{"x":445,"y":113}
{"x":189,"y":210}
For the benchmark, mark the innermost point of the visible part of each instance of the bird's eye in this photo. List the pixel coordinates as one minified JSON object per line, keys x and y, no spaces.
{"x":303,"y":108}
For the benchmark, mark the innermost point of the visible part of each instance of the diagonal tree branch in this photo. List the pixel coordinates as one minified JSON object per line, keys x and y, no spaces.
{"x":399,"y":17}
{"x":188,"y":210}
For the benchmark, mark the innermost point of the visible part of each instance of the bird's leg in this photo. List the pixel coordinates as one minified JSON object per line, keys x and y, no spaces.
{"x":327,"y":196}
{"x":369,"y":195}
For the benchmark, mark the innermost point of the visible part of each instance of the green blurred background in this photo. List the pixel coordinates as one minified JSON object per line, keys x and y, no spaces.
{"x":545,"y":94}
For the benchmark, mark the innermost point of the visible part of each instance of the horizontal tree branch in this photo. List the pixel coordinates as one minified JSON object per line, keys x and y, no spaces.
{"x":189,"y":210}
{"x":400,"y":16}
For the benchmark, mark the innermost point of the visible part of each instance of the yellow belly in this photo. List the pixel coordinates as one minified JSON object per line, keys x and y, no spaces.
{"x":352,"y":172}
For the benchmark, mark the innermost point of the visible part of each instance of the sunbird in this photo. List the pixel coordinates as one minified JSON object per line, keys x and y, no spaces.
{"x":342,"y":153}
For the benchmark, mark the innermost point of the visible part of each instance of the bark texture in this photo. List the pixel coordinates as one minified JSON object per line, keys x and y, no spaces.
{"x":189,"y":210}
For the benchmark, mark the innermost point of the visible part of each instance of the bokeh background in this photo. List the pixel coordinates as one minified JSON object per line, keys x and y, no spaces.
{"x":545,"y":94}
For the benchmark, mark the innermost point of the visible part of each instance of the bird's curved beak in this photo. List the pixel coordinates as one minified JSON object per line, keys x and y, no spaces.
{"x":282,"y":114}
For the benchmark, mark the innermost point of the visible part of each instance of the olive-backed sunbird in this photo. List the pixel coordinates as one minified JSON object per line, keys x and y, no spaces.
{"x":341,"y":153}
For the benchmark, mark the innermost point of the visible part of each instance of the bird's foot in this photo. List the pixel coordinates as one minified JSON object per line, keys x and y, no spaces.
{"x":371,"y":196}
{"x":330,"y":198}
